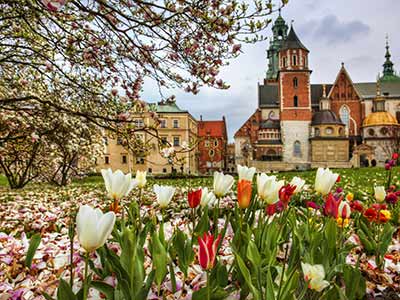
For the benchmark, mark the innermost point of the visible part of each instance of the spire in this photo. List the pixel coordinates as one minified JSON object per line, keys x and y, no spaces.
{"x":292,"y":41}
{"x":388,"y":65}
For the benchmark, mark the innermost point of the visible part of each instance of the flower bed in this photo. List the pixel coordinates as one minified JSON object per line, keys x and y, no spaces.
{"x":329,"y":238}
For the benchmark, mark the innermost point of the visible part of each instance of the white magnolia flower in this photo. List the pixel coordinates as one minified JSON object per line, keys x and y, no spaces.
{"x":164,"y":194}
{"x":246,"y":173}
{"x":299,"y":183}
{"x":93,"y":227}
{"x":167,"y":152}
{"x":117,"y":184}
{"x":380,"y":193}
{"x":141,"y":178}
{"x":325,"y":180}
{"x":184,"y":145}
{"x":222,"y":184}
{"x":314,"y":275}
{"x":207,"y":198}
{"x":268,"y":188}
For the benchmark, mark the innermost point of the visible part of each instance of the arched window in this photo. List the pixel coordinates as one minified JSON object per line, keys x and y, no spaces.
{"x":295,"y":82}
{"x":297,"y":149}
{"x":295,"y":101}
{"x":284,"y":62}
{"x":345,"y":115}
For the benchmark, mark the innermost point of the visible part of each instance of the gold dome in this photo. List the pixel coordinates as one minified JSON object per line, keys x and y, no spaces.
{"x":379,"y":118}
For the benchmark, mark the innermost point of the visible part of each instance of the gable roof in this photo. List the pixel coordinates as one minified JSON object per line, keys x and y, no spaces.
{"x":344,"y":71}
{"x":368,"y":89}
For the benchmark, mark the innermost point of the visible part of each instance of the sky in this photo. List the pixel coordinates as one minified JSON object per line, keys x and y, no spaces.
{"x":335,"y":31}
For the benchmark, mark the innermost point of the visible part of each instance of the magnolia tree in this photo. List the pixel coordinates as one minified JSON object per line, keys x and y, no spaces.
{"x":106,"y":49}
{"x":46,"y":146}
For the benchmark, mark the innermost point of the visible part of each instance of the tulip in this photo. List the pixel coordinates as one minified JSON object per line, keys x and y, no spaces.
{"x":222,"y":184}
{"x":268,"y":188}
{"x":246,"y":173}
{"x":357,"y":206}
{"x":208,"y":250}
{"x":371,"y":214}
{"x":141,"y":178}
{"x":350,"y":197}
{"x":314,"y":275}
{"x":194,"y":198}
{"x":325,"y":180}
{"x":207,"y":198}
{"x":380,"y":193}
{"x":391,"y":198}
{"x":299,"y":183}
{"x":395,"y":156}
{"x":384,"y":216}
{"x":344,"y":210}
{"x":331,"y":206}
{"x":164,"y":194}
{"x":285,"y":193}
{"x":93,"y":227}
{"x":244,"y":189}
{"x":117,"y":184}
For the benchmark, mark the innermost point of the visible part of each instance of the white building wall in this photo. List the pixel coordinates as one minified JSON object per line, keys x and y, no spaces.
{"x":293,"y":131}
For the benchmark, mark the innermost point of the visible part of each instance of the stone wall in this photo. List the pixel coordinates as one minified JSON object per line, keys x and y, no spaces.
{"x":293,"y":131}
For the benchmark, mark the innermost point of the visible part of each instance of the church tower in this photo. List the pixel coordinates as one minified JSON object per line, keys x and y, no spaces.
{"x":388,"y":71}
{"x":295,"y":99}
{"x":279,"y":30}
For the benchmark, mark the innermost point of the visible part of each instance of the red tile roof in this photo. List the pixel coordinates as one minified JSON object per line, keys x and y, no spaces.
{"x":212,"y":128}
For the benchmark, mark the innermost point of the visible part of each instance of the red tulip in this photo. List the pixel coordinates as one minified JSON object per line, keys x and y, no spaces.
{"x":285,"y":193}
{"x":208,"y":250}
{"x":356,"y":205}
{"x":371,"y":214}
{"x":395,"y":156}
{"x":244,"y":188}
{"x":332,"y":205}
{"x":194,"y":198}
{"x":338,"y":178}
{"x":391,"y":198}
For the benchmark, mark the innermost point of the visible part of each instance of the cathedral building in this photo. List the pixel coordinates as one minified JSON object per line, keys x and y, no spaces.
{"x":300,"y":125}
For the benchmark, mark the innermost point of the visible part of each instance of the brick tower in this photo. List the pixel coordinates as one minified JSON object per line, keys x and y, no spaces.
{"x":295,"y":100}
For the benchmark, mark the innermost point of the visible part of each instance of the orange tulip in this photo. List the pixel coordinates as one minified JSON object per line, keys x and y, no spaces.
{"x":244,"y":189}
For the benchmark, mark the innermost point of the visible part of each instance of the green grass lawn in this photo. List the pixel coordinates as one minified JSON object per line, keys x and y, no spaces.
{"x":352,"y":180}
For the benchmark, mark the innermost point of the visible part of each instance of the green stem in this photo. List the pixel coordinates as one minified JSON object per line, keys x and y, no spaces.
{"x":85,"y":282}
{"x":193,"y":220}
{"x":71,"y":253}
{"x":140,"y":205}
{"x":283,"y":271}
{"x":208,"y":286}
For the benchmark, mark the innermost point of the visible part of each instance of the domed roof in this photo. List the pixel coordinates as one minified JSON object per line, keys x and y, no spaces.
{"x":325,"y":117}
{"x":380,"y":118}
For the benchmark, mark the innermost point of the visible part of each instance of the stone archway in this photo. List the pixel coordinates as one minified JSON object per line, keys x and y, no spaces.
{"x":363,"y":155}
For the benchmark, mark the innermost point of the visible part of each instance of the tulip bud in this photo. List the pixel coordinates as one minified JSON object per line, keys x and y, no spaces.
{"x":380,"y":193}
{"x":244,"y":189}
{"x":194,"y":198}
{"x":208,"y":250}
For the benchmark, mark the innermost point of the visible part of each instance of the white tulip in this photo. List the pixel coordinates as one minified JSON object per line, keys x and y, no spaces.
{"x":207,"y":198}
{"x":117,"y":184}
{"x":380,"y":193}
{"x":93,"y":227}
{"x":164,"y":194}
{"x":325,"y":180}
{"x":141,"y":178}
{"x":222,"y":184}
{"x":268,"y":188}
{"x":299,"y":183}
{"x":245,"y":172}
{"x":344,"y":210}
{"x":314,"y":275}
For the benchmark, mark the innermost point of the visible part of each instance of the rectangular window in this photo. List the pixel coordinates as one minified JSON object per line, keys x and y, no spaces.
{"x":105,"y":140}
{"x":124,"y":159}
{"x":164,"y":140}
{"x":176,"y":141}
{"x":284,"y":62}
{"x":176,"y":123}
{"x":294,"y":60}
{"x":139,"y":160}
{"x":119,"y":141}
{"x":163,"y":123}
{"x":106,"y":160}
{"x":139,"y":123}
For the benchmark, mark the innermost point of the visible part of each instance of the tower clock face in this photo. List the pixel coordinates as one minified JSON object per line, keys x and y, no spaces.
{"x":329,"y":131}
